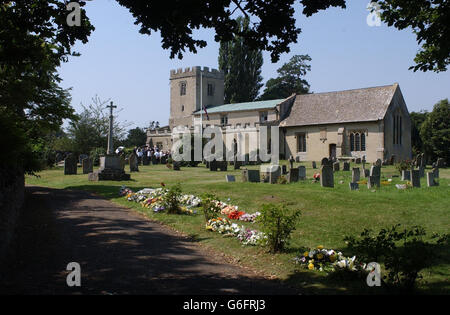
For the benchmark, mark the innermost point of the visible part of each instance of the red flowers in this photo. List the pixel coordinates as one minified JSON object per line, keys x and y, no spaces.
{"x":162,"y":184}
{"x":235,"y":215}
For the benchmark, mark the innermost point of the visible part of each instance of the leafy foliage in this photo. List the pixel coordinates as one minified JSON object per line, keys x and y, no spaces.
{"x":210,"y":207}
{"x":171,"y":200}
{"x":417,"y":119}
{"x":278,"y":223}
{"x":290,"y":79}
{"x":136,"y":137}
{"x":404,"y":165}
{"x":241,"y":66}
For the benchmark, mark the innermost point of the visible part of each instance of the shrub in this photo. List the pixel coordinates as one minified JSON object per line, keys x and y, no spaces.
{"x":282,"y":180}
{"x":171,"y":200}
{"x":278,"y":223}
{"x":95,"y":155}
{"x":403,"y":166}
{"x":210,"y":207}
{"x":403,"y":253}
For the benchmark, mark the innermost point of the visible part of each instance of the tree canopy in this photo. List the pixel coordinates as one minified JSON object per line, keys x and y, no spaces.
{"x":290,"y":79}
{"x":242,"y":68}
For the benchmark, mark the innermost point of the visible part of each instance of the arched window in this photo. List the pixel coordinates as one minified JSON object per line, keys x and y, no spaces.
{"x":363,"y":142}
{"x":357,"y":142}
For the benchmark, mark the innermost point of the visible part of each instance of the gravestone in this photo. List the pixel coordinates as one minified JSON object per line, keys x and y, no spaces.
{"x":283,"y":169}
{"x":251,"y":176}
{"x":406,"y":175}
{"x":375,"y":171}
{"x":440,"y":163}
{"x":213,"y":165}
{"x":122,"y":162}
{"x":326,"y":176}
{"x":133,"y":162}
{"x":301,"y":172}
{"x":176,"y":165}
{"x":223,"y":165}
{"x":297,"y":159}
{"x":293,"y":175}
{"x":346,"y":166}
{"x":378,"y":162}
{"x":145,"y":160}
{"x":87,"y":165}
{"x":373,"y":181}
{"x":70,"y":165}
{"x":436,"y":172}
{"x":358,"y":161}
{"x":274,"y":173}
{"x":324,"y":161}
{"x":230,"y":178}
{"x":415,"y":178}
{"x":353,"y":186}
{"x":336,"y":166}
{"x":430,"y":180}
{"x":392,"y":160}
{"x":314,"y":165}
{"x":356,"y":176}
{"x":366,"y":173}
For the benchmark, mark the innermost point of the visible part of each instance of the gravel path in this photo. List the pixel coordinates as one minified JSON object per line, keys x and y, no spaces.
{"x":119,"y":251}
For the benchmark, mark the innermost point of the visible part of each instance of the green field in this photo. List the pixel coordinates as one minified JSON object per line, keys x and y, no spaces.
{"x":328,"y":214}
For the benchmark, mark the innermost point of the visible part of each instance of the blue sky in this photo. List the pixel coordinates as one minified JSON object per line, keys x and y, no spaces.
{"x":133,"y":70}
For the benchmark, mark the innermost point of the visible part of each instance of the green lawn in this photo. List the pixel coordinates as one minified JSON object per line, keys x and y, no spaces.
{"x":328,"y":214}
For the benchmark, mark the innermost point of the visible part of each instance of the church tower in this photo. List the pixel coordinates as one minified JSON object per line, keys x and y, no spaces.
{"x":185,"y":93}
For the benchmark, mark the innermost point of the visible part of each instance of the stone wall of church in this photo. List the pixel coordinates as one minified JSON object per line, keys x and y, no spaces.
{"x":320,"y":137}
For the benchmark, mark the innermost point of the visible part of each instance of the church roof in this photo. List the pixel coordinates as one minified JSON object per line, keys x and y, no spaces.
{"x":242,"y":106}
{"x":367,"y":104}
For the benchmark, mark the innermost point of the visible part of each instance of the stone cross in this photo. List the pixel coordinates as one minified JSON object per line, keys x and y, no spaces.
{"x":110,"y":134}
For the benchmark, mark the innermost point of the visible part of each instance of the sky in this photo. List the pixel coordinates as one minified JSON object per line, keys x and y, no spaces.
{"x":131,"y":69}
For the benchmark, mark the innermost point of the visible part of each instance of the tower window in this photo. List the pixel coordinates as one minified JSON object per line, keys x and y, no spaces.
{"x":397,"y":130}
{"x":210,"y":89}
{"x":183,"y":88}
{"x":182,"y":108}
{"x":301,"y":142}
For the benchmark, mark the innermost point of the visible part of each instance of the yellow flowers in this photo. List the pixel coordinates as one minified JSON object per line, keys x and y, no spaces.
{"x":306,"y":254}
{"x":320,"y":247}
{"x":311,"y":266}
{"x":332,"y":258}
{"x":319,"y":256}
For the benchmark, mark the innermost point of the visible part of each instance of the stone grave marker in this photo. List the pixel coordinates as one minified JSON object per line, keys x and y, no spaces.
{"x":436,"y":172}
{"x":415,"y":178}
{"x":133,"y":162}
{"x":358,"y":161}
{"x":88,"y":166}
{"x":176,"y":165}
{"x":366,"y":173}
{"x":353,"y":186}
{"x":230,"y":178}
{"x":430,"y":180}
{"x":375,"y":170}
{"x":346,"y":166}
{"x":283,"y":169}
{"x":314,"y":165}
{"x":301,"y":172}
{"x":293,"y":175}
{"x":406,"y":175}
{"x":326,"y":176}
{"x":324,"y":161}
{"x":373,"y":181}
{"x":274,"y":173}
{"x":440,"y":163}
{"x":421,"y":171}
{"x":356,"y":176}
{"x":70,"y":165}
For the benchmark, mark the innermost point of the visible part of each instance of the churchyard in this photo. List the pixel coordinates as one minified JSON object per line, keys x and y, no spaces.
{"x":327,"y":215}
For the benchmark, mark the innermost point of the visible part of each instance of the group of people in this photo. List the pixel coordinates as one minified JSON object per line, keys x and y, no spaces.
{"x":147,"y":154}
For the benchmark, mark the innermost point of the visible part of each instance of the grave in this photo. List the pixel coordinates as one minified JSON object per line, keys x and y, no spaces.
{"x":336,"y":166}
{"x":346,"y":166}
{"x":70,"y":165}
{"x":301,"y":172}
{"x":326,"y":176}
{"x":88,"y":166}
{"x":274,"y":173}
{"x":283,"y":169}
{"x":430,"y":180}
{"x":366,"y":173}
{"x":378,"y":162}
{"x":230,"y":178}
{"x":436,"y":172}
{"x":293,"y":175}
{"x":133,"y":159}
{"x":353,"y":186}
{"x":176,"y":165}
{"x":356,"y":176}
{"x":314,"y":165}
{"x":252,"y":176}
{"x":358,"y":161}
{"x":415,"y":178}
{"x":291,"y":162}
{"x":421,"y":171}
{"x":440,"y":163}
{"x":373,"y":181}
{"x":406,"y":175}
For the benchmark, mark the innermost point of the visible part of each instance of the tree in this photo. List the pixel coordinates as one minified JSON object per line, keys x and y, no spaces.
{"x":136,"y":137}
{"x":290,"y":79}
{"x":241,"y":66}
{"x":417,"y":119}
{"x":274,"y":26}
{"x":34,"y":40}
{"x":429,"y":21}
{"x":435,"y":132}
{"x":90,"y":128}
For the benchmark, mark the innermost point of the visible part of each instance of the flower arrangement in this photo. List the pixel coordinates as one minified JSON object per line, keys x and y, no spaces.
{"x":243,"y":234}
{"x":235,"y":215}
{"x":316,"y":177}
{"x":247,"y":217}
{"x":328,"y":260}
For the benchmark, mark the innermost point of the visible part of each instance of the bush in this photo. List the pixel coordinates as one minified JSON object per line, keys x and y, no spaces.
{"x":210,"y":207}
{"x":403,"y":166}
{"x":278,"y":223}
{"x":403,"y":253}
{"x":171,"y":200}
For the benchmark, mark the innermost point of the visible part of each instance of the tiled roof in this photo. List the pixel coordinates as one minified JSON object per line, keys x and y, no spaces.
{"x":242,"y":106}
{"x":368,"y":104}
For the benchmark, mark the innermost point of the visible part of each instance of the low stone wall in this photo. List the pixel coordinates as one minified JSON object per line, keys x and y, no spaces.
{"x":12,"y":189}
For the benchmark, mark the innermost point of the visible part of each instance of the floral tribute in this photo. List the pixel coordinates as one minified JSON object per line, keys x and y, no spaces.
{"x":328,"y":260}
{"x":245,"y":235}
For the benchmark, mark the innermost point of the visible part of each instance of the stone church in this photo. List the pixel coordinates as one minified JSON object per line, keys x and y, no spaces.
{"x":369,"y":122}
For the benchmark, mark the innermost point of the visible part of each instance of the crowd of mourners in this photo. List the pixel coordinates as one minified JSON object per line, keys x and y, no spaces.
{"x":154,"y":155}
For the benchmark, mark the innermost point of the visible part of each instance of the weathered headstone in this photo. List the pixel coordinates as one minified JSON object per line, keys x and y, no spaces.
{"x":122,"y":162}
{"x":346,"y":166}
{"x":353,"y":186}
{"x":378,"y":162}
{"x":373,"y":181}
{"x":70,"y":165}
{"x":176,"y":165}
{"x":301,"y":172}
{"x":356,"y":176}
{"x":213,"y":165}
{"x":314,"y":165}
{"x":366,"y":173}
{"x":415,"y":178}
{"x":297,"y":159}
{"x":392,"y":160}
{"x":133,"y":162}
{"x":293,"y":175}
{"x":253,"y":176}
{"x":230,"y":178}
{"x":326,"y":176}
{"x":283,"y":169}
{"x":406,"y":175}
{"x":436,"y":172}
{"x":440,"y":163}
{"x":336,"y":166}
{"x":375,"y":170}
{"x":324,"y":161}
{"x":223,"y":165}
{"x":430,"y":179}
{"x":421,"y":171}
{"x":88,"y":166}
{"x":274,"y":173}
